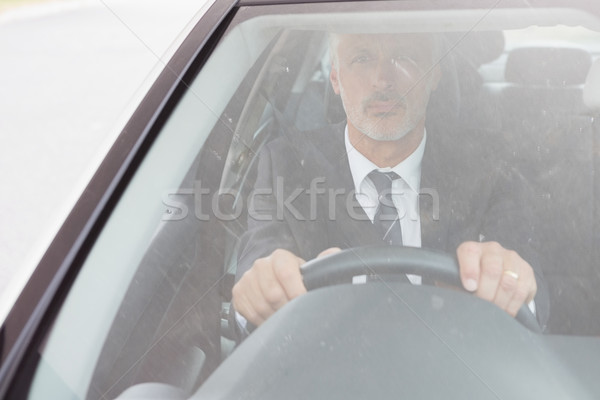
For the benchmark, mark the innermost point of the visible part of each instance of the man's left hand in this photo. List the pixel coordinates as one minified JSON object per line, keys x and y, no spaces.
{"x":496,"y":274}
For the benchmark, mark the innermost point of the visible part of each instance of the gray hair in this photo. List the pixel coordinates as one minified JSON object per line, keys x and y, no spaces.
{"x":437,"y":52}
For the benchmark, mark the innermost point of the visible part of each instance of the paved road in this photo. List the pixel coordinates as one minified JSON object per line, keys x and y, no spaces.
{"x":70,"y":74}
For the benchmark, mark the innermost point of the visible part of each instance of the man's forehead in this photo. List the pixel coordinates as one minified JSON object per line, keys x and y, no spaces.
{"x":393,"y":40}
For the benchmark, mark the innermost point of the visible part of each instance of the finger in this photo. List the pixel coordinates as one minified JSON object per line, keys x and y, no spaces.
{"x":261,"y":271}
{"x":243,"y":303}
{"x":492,"y":267}
{"x":286,"y":267}
{"x":271,"y":289}
{"x":469,"y":255}
{"x":245,"y":308}
{"x":506,"y":289}
{"x":331,"y":250}
{"x":524,"y":293}
{"x":512,"y":266}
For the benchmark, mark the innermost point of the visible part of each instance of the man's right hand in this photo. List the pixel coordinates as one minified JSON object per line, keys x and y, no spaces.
{"x":269,"y":285}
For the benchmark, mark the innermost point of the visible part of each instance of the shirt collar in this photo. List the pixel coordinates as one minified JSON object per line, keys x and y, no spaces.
{"x":409,"y":169}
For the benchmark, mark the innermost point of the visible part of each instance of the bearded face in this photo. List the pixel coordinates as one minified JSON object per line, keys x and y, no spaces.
{"x":384,"y":82}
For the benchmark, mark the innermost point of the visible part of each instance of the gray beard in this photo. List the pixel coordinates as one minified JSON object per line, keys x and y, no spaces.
{"x":370,"y":128}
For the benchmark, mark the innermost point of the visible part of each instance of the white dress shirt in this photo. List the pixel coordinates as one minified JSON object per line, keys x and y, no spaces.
{"x":405,"y":191}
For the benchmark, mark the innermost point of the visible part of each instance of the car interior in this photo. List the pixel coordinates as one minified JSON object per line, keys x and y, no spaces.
{"x":535,"y":100}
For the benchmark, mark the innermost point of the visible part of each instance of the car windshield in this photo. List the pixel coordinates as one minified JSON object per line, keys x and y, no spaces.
{"x":273,"y":145}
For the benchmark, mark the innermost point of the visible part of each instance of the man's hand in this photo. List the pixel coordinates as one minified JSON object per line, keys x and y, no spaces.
{"x":269,"y":285}
{"x":496,"y":274}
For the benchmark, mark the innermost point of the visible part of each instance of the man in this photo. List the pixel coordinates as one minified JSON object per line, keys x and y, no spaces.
{"x":385,"y":82}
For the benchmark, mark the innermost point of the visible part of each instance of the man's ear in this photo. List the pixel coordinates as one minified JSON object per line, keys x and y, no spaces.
{"x":334,"y":79}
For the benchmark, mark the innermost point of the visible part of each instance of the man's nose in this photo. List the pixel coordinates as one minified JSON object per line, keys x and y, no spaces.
{"x":395,"y":73}
{"x":386,"y":74}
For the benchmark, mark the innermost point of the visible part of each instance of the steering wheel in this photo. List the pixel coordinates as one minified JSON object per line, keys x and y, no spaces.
{"x":432,"y":265}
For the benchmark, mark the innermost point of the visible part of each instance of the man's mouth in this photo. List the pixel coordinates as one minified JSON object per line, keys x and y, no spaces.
{"x":390,"y":107}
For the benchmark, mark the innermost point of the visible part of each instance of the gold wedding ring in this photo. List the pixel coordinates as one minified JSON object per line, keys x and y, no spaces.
{"x":512,"y":274}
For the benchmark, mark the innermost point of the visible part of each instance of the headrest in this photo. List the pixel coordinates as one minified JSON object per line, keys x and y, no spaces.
{"x":547,"y":66}
{"x":478,"y":47}
{"x":591,"y":91}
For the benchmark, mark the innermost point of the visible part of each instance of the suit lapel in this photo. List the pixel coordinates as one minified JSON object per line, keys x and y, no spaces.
{"x":434,"y":199}
{"x":349,"y":225}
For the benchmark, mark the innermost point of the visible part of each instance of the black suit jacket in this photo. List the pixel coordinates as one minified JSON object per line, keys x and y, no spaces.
{"x":466,"y":194}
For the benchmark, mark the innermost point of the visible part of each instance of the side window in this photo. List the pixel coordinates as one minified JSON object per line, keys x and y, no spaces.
{"x":147,"y":303}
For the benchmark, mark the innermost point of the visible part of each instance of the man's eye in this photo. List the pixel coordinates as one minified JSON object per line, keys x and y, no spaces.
{"x":404,"y":59}
{"x":360,"y":59}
